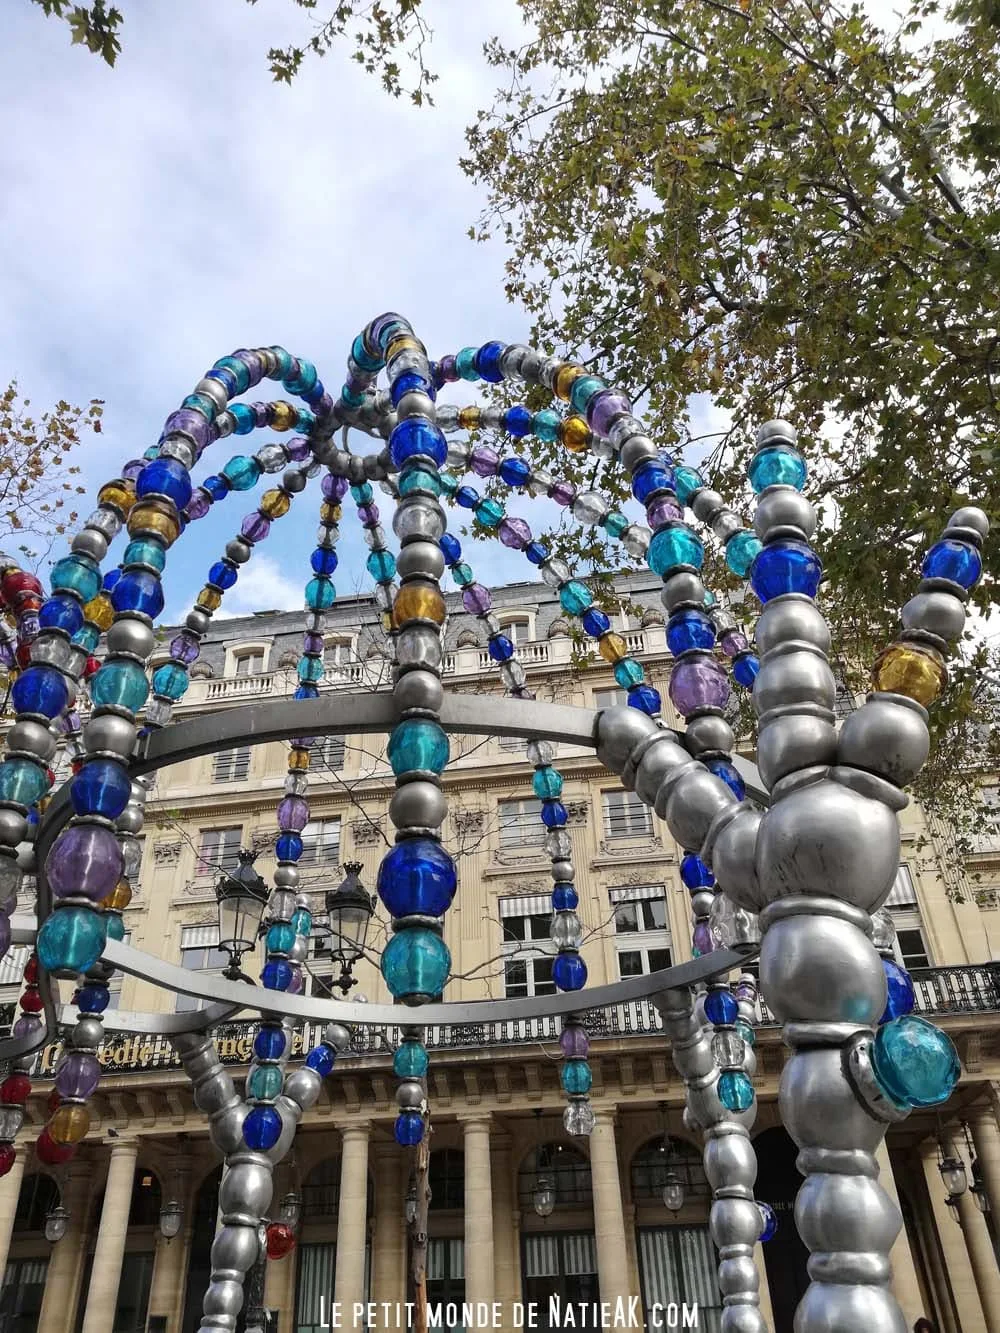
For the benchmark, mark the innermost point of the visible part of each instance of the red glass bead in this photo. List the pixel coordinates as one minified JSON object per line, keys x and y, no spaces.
{"x":54,"y":1102}
{"x":51,"y":1153}
{"x":6,"y":1157}
{"x":23,"y":654}
{"x":31,"y":971}
{"x":91,"y":665}
{"x":31,"y":1001}
{"x":18,"y":583}
{"x":280,"y":1240}
{"x":15,"y":1090}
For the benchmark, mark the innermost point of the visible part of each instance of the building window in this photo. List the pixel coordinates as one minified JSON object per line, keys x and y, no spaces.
{"x":320,"y":842}
{"x":446,"y":1178}
{"x":527,"y":976}
{"x":988,"y":839}
{"x":231,"y":765}
{"x":321,"y":1191}
{"x":651,"y":1164}
{"x":614,"y":698}
{"x":528,"y":950}
{"x":200,"y":952}
{"x":625,"y":816}
{"x":521,"y":823}
{"x":562,"y":1266}
{"x":516,"y":628}
{"x":446,"y":1276}
{"x":911,"y":945}
{"x":218,"y":849}
{"x":568,"y":1169}
{"x":642,"y":933}
{"x":21,"y":1294}
{"x":337,"y":652}
{"x":327,"y":754}
{"x":249,"y":663}
{"x":679,"y":1269}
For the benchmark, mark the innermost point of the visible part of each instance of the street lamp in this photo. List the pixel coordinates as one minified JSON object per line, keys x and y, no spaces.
{"x":241,"y":897}
{"x":291,"y":1209}
{"x":56,"y":1222}
{"x":349,"y":908}
{"x":953,"y":1175}
{"x":543,"y":1198}
{"x":978,"y":1189}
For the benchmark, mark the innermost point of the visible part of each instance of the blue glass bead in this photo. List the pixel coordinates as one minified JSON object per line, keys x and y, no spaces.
{"x":217,"y":487}
{"x":576,"y":1077}
{"x":165,"y":477}
{"x":646,"y":699}
{"x":769,"y":1222}
{"x":101,"y":787}
{"x":87,"y":638}
{"x":22,"y":781}
{"x":262,"y":1128}
{"x":674,"y":545}
{"x":650,"y":479}
{"x":554,"y":814}
{"x":302,"y":921}
{"x":362,"y":494}
{"x":595,"y":622}
{"x":264,"y":1082}
{"x":565,"y":898}
{"x":307,"y":691}
{"x":489,"y":512}
{"x":518,"y":421}
{"x":71,"y":940}
{"x":225,"y":377}
{"x":615,"y":524}
{"x":76,"y":573}
{"x":916,"y":1064}
{"x":322,"y":1058}
{"x":221,"y":575}
{"x":40,"y":689}
{"x":411,"y":382}
{"x":547,"y":783}
{"x":575,"y":597}
{"x":515,"y":471}
{"x":363,"y":359}
{"x":628,"y":673}
{"x":536,"y":553}
{"x":381,"y":565}
{"x":777,"y":466}
{"x":695,"y":874}
{"x":110,"y":579}
{"x":686,"y":481}
{"x":415,"y":962}
{"x":145,"y":551}
{"x":741,"y":551}
{"x":320,"y":594}
{"x":487,"y":361}
{"x":242,"y":472}
{"x":408,"y":1129}
{"x":280,"y":937}
{"x":745,"y":668}
{"x":721,"y":1008}
{"x":735,"y":1090}
{"x":138,"y":590}
{"x":465,"y":364}
{"x":723,"y":769}
{"x":462,"y":574}
{"x":416,"y":437}
{"x":899,"y":985}
{"x":417,"y":744}
{"x":63,"y":613}
{"x":93,"y":999}
{"x":689,"y":629}
{"x":953,"y":560}
{"x":245,"y":418}
{"x":304,"y":382}
{"x":288,"y":847}
{"x":545,"y":426}
{"x":310,"y":668}
{"x":783,"y":567}
{"x":582,"y":390}
{"x":501,"y":649}
{"x":569,"y":971}
{"x":269,"y":1043}
{"x":451,"y":548}
{"x":239,"y":370}
{"x":276,"y":974}
{"x":419,"y":479}
{"x":324,"y":561}
{"x":410,"y":1060}
{"x":417,"y":876}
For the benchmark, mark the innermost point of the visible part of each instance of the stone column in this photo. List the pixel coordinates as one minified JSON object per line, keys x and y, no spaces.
{"x":479,"y":1282}
{"x":279,"y":1289}
{"x":352,"y":1223}
{"x":10,"y":1192}
{"x":65,"y":1270}
{"x":905,"y":1283}
{"x":166,"y":1290}
{"x":106,"y":1273}
{"x":981,"y":1255}
{"x":609,"y":1218}
{"x":389,"y":1246}
{"x":930,"y":1245}
{"x":505,"y":1267}
{"x":956,"y":1255}
{"x":986,"y":1137}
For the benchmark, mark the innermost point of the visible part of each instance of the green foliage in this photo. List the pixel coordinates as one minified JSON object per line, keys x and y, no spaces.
{"x":96,"y":27}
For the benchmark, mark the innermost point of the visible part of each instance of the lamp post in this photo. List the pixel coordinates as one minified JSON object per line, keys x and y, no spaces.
{"x":241,"y":898}
{"x":953,"y":1175}
{"x":543,"y":1197}
{"x":349,"y":907}
{"x":56,"y":1222}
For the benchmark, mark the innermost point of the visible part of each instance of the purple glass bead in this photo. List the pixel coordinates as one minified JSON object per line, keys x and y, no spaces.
{"x":185,"y":648}
{"x":5,"y":932}
{"x":253,"y":364}
{"x":294,"y":986}
{"x":334,"y":488}
{"x":259,"y":414}
{"x":199,"y":504}
{"x":733,"y":642}
{"x":448,"y":369}
{"x":132,"y":468}
{"x":255,"y":527}
{"x":27,"y":1026}
{"x":476,"y":599}
{"x":563,"y":492}
{"x":368,"y":514}
{"x":698,"y":683}
{"x":304,"y":742}
{"x":663,"y":511}
{"x":514,"y":532}
{"x":78,"y":1075}
{"x":323,"y":405}
{"x":703,"y":940}
{"x":484,"y":461}
{"x":192,"y":423}
{"x":603,"y":408}
{"x":574,"y":1043}
{"x":298,"y":449}
{"x":86,"y":861}
{"x":70,"y":722}
{"x":312,"y":643}
{"x":29,"y":625}
{"x":293,"y":814}
{"x":6,"y":652}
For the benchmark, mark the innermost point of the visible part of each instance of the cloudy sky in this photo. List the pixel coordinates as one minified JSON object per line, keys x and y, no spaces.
{"x":160,"y":214}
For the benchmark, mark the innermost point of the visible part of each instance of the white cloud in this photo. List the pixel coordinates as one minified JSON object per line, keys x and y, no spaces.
{"x":262,"y":586}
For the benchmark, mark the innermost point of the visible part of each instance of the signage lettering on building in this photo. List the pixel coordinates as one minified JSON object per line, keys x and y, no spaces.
{"x":122,"y":1055}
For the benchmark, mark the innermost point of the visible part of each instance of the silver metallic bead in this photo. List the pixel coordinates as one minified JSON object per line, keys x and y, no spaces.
{"x":246,"y":1189}
{"x":708,"y":734}
{"x":409,"y":1095}
{"x":730,"y":1161}
{"x":701,"y":903}
{"x":791,"y":617}
{"x":562,"y":871}
{"x":548,"y":370}
{"x":198,"y":621}
{"x":732,"y":1221}
{"x":682,"y":589}
{"x":848,"y":1213}
{"x":299,"y":950}
{"x":130,"y":820}
{"x":799,"y":740}
{"x":418,"y":804}
{"x":415,"y":404}
{"x":783,"y":507}
{"x":692,"y":804}
{"x":419,"y":689}
{"x":214,"y":1093}
{"x":226,"y":1127}
{"x":727,"y":524}
{"x":13,"y":827}
{"x":213,"y":389}
{"x":734,"y":862}
{"x":850,"y":1305}
{"x":418,"y":646}
{"x":287,"y":877}
{"x":423,"y":559}
{"x":235,"y":1249}
{"x":531,"y":367}
{"x":820,"y":1109}
{"x":512,"y":359}
{"x":337,"y":1035}
{"x":738,"y":1275}
{"x":290,"y":1113}
{"x":293,"y":481}
{"x":795,"y":676}
{"x":636,"y":450}
{"x":303,"y":1086}
{"x":706,"y":503}
{"x":969,"y":516}
{"x":817,"y":969}
{"x":777,"y":431}
{"x":223,"y":1298}
{"x":87,"y":1034}
{"x":657,"y":761}
{"x":32,"y":737}
{"x":89,"y":541}
{"x":888,"y":735}
{"x":742,"y":1319}
{"x":936,"y":612}
{"x":619,"y":731}
{"x":238,"y":550}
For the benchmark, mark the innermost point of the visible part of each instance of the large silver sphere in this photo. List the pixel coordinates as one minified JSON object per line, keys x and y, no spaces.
{"x":110,"y":734}
{"x":887,"y":736}
{"x":742,"y":1319}
{"x":734,"y":1222}
{"x":796,"y":676}
{"x":303,"y":1086}
{"x":287,"y":877}
{"x":844,"y":1307}
{"x":709,"y":733}
{"x":786,"y":744}
{"x":235,"y":1249}
{"x":841,"y":1212}
{"x":33,"y":738}
{"x":821,"y":969}
{"x":130,"y":820}
{"x":737,"y":1275}
{"x":683,"y":589}
{"x":825,"y":839}
{"x":637,"y":450}
{"x":87,"y":1034}
{"x":777,"y":431}
{"x":89,"y":541}
{"x":819,"y":1107}
{"x":783,"y":507}
{"x":937,"y":612}
{"x":696,"y":1060}
{"x":409,"y":1095}
{"x":969,"y":516}
{"x":419,"y":689}
{"x":734,"y":862}
{"x":226,"y":1127}
{"x":423,"y":559}
{"x":214,"y":1092}
{"x":619,"y":731}
{"x":730,"y":1161}
{"x":128,"y":635}
{"x":693,"y":802}
{"x":246,"y":1190}
{"x":214,"y":390}
{"x":657,"y":761}
{"x":337,"y":1035}
{"x":793,"y":616}
{"x":418,"y":804}
{"x":13,"y":827}
{"x":706,"y":503}
{"x":238,"y":550}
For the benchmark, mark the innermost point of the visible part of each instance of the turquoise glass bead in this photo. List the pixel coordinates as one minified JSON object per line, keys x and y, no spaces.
{"x":462,"y":574}
{"x":71,"y":940}
{"x":416,"y":962}
{"x":629,"y":672}
{"x":674,"y":545}
{"x":302,"y":921}
{"x":115,"y":927}
{"x":583,"y":389}
{"x":284,"y":366}
{"x":145,"y":552}
{"x":916,"y":1064}
{"x":79,"y":574}
{"x":545,"y":426}
{"x":320,"y":594}
{"x":419,"y":479}
{"x":242,"y":472}
{"x":362,"y":494}
{"x":88,"y":637}
{"x":735,"y":1090}
{"x":745,"y":1030}
{"x":615,"y":524}
{"x":448,"y":483}
{"x":265,"y":1082}
{"x":381,"y":566}
{"x":465,"y":363}
{"x":310,"y":668}
{"x":280,"y":937}
{"x":489,"y":512}
{"x":22,"y":781}
{"x":686,"y":481}
{"x":777,"y":466}
{"x":410,"y":1060}
{"x":575,"y":597}
{"x":547,"y":783}
{"x":741,"y":551}
{"x":170,"y":681}
{"x":238,"y":369}
{"x":121,"y":684}
{"x":576,"y":1077}
{"x":418,"y":744}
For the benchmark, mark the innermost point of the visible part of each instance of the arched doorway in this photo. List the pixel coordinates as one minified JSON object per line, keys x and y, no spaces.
{"x":315,"y":1255}
{"x":558,"y":1248}
{"x":24,"y":1278}
{"x":140,"y":1251}
{"x":785,"y":1256}
{"x":446,"y":1230}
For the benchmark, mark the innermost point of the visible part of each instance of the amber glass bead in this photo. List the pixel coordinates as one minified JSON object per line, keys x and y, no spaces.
{"x":298,"y":760}
{"x":274,"y":504}
{"x":418,"y":601}
{"x":117,"y":495}
{"x":100,"y":612}
{"x":69,"y":1124}
{"x":385,"y":619}
{"x":564,"y":380}
{"x":468,"y":417}
{"x":906,"y":669}
{"x":330,"y":512}
{"x":209,"y":599}
{"x":403,"y":343}
{"x":154,"y":516}
{"x":119,"y":897}
{"x":575,"y":434}
{"x":612,"y":647}
{"x":283,"y":416}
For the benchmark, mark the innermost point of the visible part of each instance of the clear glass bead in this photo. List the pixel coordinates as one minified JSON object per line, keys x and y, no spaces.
{"x":512,"y":674}
{"x":446,"y":417}
{"x":512,"y":359}
{"x":312,"y":468}
{"x":624,"y":429}
{"x":179,"y":449}
{"x":327,"y":537}
{"x":728,"y":1048}
{"x":579,"y":1118}
{"x":296,"y":784}
{"x":548,"y":370}
{"x":555,"y":572}
{"x":540,"y":752}
{"x":159,"y":712}
{"x":491,"y":622}
{"x":566,"y":931}
{"x":410,"y":359}
{"x":106,"y":522}
{"x":458,"y":453}
{"x":131,"y":856}
{"x":388,"y":487}
{"x":540,"y":482}
{"x":601,"y":447}
{"x":492,"y":417}
{"x":225,"y":424}
{"x":53,"y":649}
{"x":589,"y":507}
{"x":418,"y":519}
{"x":884,"y":930}
{"x":558,"y":844}
{"x":315,"y":622}
{"x":635,"y":539}
{"x":282,"y":905}
{"x":375,"y":537}
{"x":272,"y":457}
{"x":383,"y":596}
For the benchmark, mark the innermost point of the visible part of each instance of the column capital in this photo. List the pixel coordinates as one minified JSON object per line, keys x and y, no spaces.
{"x":606,"y":1115}
{"x":124,"y":1147}
{"x":983,"y":1114}
{"x":356,"y":1131}
{"x":475,"y":1119}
